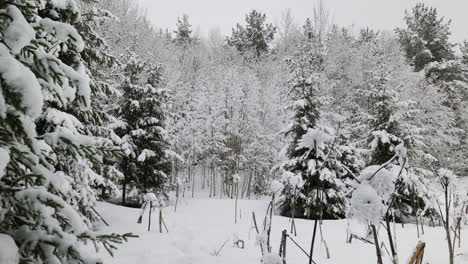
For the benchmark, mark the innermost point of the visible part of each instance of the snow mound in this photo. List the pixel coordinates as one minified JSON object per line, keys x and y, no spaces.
{"x":366,"y":205}
{"x":8,"y":250}
{"x":271,"y":258}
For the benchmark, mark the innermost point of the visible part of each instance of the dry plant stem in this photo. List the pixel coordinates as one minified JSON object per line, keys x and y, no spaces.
{"x":250,"y":183}
{"x":351,"y":173}
{"x":269,"y":224}
{"x":394,"y":229}
{"x":390,"y":239}
{"x":177,"y":197}
{"x":222,"y":246}
{"x":383,"y":166}
{"x":164,"y":223}
{"x":282,"y":248}
{"x":142,"y":212}
{"x":293,"y":209}
{"x":256,"y":229}
{"x":235,"y":207}
{"x":149,"y":217}
{"x":445,"y":216}
{"x":377,"y":248}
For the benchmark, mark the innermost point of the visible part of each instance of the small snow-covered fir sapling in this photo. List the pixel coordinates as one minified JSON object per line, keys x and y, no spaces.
{"x":292,"y":184}
{"x":144,"y":137}
{"x":374,"y":195}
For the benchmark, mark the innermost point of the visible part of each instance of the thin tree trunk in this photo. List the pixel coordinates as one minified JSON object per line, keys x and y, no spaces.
{"x":447,"y":224}
{"x":237,"y":197}
{"x":203,"y":177}
{"x":210,"y":180}
{"x":193,"y":183}
{"x":177,"y":196}
{"x":269,"y":224}
{"x":394,"y":230}
{"x":459,"y":232}
{"x":214,"y":182}
{"x":250,"y":184}
{"x":124,"y":190}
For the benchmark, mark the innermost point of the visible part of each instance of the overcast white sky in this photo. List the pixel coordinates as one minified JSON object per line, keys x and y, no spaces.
{"x":377,"y":14}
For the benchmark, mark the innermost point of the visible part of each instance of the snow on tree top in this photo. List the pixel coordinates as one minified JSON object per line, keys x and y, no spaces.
{"x":381,"y":179}
{"x":276,"y":186}
{"x":150,"y":197}
{"x":236,"y":177}
{"x":314,"y":138}
{"x":294,"y":180}
{"x":66,"y":4}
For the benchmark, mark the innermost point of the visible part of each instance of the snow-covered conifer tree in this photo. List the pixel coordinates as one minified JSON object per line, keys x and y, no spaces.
{"x":426,"y":38}
{"x":255,"y":36}
{"x":311,"y":141}
{"x":144,"y":138}
{"x":49,"y":156}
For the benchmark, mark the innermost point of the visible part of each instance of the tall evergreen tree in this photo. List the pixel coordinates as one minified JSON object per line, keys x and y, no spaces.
{"x":426,"y":38}
{"x":313,"y":155}
{"x":48,"y":155}
{"x":464,"y":52}
{"x":390,"y":125}
{"x":256,"y":36}
{"x":183,"y":33}
{"x":144,"y":138}
{"x":451,"y":79}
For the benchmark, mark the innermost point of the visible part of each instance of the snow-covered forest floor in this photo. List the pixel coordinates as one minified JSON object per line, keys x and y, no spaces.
{"x":200,"y":227}
{"x":359,"y":123}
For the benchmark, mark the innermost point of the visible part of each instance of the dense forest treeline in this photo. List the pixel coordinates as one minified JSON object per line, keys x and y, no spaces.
{"x":96,"y":103}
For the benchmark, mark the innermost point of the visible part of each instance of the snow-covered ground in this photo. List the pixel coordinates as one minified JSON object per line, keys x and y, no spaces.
{"x":200,"y":227}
